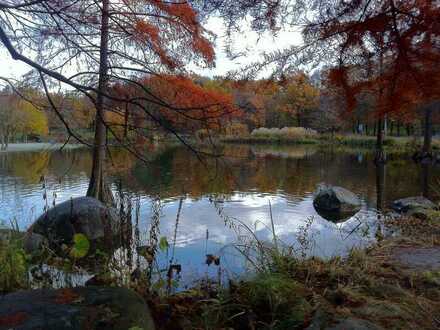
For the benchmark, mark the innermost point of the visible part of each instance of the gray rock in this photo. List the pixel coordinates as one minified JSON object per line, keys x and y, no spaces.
{"x":336,"y":203}
{"x":421,"y":259}
{"x":74,"y":309}
{"x":324,"y":320}
{"x":85,"y":215}
{"x":410,"y":203}
{"x":353,"y":324}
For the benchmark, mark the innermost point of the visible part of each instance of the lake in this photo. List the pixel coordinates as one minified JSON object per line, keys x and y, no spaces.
{"x":223,"y":198}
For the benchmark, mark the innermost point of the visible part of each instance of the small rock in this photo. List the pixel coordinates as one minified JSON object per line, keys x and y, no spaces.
{"x":411,"y":203}
{"x":418,"y":258}
{"x":353,"y":324}
{"x":75,"y":309}
{"x":336,"y":203}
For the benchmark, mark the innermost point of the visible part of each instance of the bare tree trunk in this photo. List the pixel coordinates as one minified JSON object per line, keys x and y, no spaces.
{"x":98,"y":187}
{"x":126,"y":118}
{"x":2,"y":138}
{"x":381,"y":126}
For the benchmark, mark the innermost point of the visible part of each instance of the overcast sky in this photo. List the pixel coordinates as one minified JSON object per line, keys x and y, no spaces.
{"x":247,"y":42}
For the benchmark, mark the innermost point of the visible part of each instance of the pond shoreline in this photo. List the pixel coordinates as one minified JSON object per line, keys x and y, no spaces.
{"x":39,"y":146}
{"x":392,"y":143}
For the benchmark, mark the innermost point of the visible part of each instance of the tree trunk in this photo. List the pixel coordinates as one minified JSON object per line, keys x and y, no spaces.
{"x":98,"y":187}
{"x":398,"y":128}
{"x":2,"y":140}
{"x":126,"y":118}
{"x":427,"y":137}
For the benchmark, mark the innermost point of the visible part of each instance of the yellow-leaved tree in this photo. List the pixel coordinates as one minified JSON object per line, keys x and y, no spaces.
{"x":32,"y":121}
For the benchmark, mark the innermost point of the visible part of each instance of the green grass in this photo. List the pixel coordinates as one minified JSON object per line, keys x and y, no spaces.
{"x":13,"y":262}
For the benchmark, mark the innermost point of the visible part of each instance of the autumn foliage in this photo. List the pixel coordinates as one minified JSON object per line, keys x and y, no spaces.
{"x":386,"y":48}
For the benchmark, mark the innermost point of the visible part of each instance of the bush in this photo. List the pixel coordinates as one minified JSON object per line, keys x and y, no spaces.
{"x":291,"y":133}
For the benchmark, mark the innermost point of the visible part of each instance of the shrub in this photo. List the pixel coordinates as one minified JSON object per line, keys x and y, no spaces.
{"x":292,"y":133}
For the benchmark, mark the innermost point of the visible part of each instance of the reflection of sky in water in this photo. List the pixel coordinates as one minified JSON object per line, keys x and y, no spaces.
{"x":23,"y":200}
{"x":199,"y":216}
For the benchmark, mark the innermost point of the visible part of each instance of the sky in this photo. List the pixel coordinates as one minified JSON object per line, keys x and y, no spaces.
{"x":247,"y":42}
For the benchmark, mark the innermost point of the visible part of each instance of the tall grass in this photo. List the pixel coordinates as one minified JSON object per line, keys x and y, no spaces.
{"x":13,"y":260}
{"x":285,"y":133}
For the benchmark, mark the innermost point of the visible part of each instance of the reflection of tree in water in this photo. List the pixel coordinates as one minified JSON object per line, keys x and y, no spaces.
{"x":425,"y":169}
{"x":380,"y":186}
{"x":27,"y":166}
{"x":291,"y":170}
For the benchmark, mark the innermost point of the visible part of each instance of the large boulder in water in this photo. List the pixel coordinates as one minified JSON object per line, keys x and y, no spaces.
{"x":82,"y":215}
{"x":412,"y":203}
{"x":75,"y":309}
{"x":336,"y":203}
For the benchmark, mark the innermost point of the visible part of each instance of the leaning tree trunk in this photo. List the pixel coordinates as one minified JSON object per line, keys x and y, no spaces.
{"x":98,"y":187}
{"x":126,"y":119}
{"x":427,"y":137}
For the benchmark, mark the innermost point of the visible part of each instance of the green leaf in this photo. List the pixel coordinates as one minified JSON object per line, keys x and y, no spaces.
{"x":163,"y":243}
{"x":81,"y":246}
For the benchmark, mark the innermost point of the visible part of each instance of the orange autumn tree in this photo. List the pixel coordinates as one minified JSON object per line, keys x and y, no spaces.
{"x":189,"y":105}
{"x":389,"y":49}
{"x":182,"y":105}
{"x":299,"y":97}
{"x":89,"y":46}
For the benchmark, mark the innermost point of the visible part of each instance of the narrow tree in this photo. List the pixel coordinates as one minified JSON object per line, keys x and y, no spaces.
{"x":89,"y":46}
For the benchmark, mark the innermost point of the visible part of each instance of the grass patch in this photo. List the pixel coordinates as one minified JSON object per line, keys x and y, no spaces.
{"x":13,"y":262}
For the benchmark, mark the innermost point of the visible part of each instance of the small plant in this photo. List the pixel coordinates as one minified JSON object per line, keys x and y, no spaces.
{"x":13,"y":265}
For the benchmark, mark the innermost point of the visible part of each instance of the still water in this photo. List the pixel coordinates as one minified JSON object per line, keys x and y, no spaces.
{"x":235,"y":188}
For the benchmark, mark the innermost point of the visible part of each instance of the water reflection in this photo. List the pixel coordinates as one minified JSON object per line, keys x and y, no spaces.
{"x":241,"y":183}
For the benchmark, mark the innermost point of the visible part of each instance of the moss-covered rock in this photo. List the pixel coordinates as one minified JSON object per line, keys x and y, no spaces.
{"x":75,"y":309}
